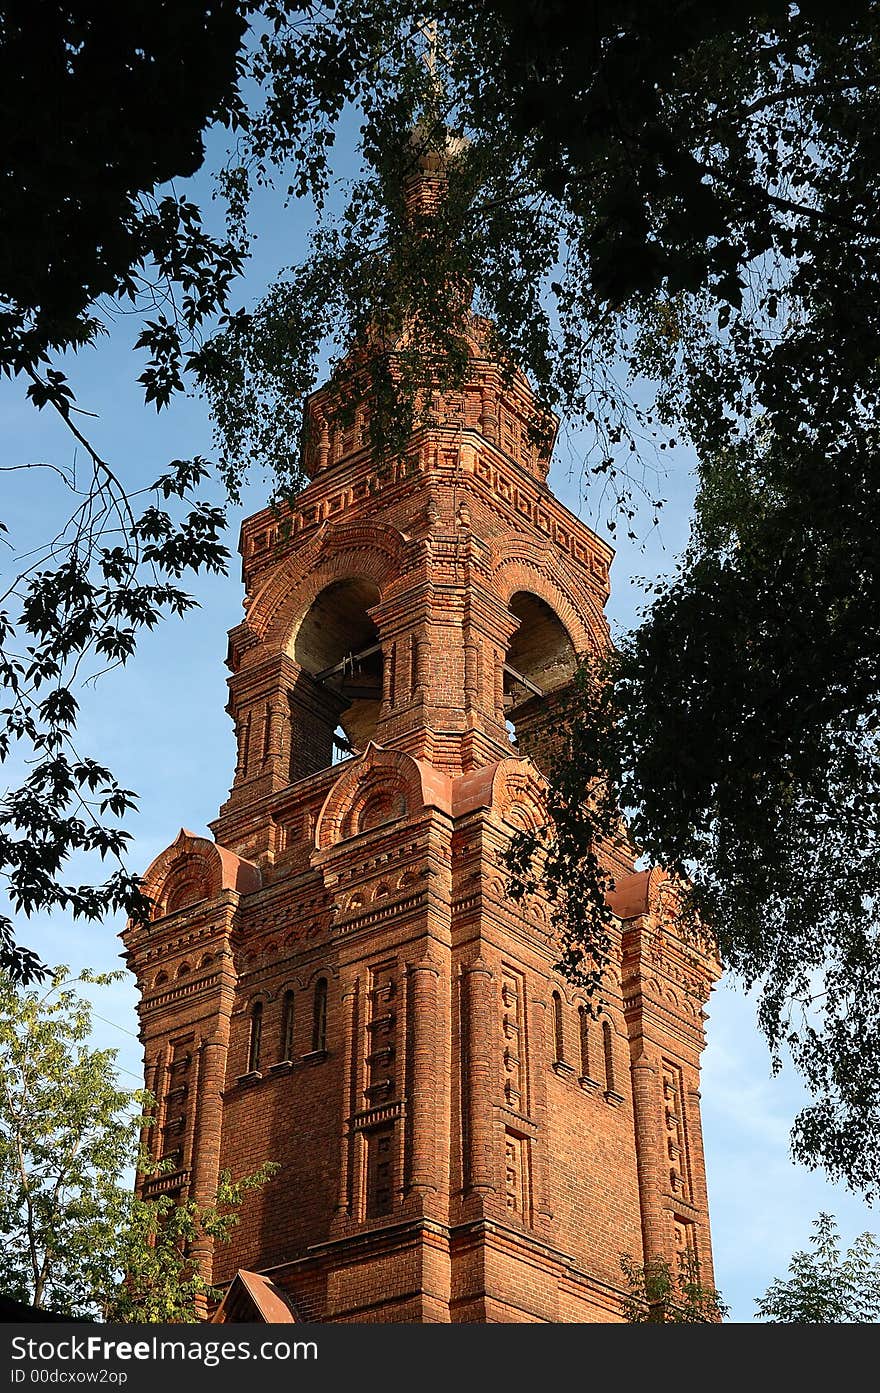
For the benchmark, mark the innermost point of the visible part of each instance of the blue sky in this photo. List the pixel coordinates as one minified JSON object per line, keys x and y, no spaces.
{"x":161,"y":726}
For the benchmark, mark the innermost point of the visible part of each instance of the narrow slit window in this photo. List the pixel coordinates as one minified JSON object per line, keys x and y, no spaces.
{"x":256,"y":1039}
{"x":609,"y":1056}
{"x":319,"y":1016}
{"x":287,"y":1023}
{"x":584,"y":1022}
{"x":558,"y":1037}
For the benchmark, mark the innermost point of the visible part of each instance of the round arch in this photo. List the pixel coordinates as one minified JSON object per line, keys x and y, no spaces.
{"x":337,"y":643}
{"x":341,"y":551}
{"x":540,"y":653}
{"x":540,"y":571}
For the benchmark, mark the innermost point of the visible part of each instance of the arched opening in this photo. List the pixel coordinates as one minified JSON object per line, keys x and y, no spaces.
{"x":540,"y":656}
{"x":341,"y":746}
{"x":584,"y":1025}
{"x":541,"y":659}
{"x":255,"y":1043}
{"x":608,"y":1051}
{"x":288,"y":1021}
{"x":558,"y":1034}
{"x":337,"y":644}
{"x":319,"y":1016}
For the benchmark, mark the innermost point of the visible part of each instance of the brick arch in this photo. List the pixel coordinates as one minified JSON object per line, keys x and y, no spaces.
{"x":518,"y":793}
{"x":261,"y":994}
{"x":642,"y":893}
{"x":310,"y":977}
{"x":536,"y":567}
{"x":409,"y":786}
{"x":567,"y":992}
{"x":339,"y":551}
{"x":195,"y":861}
{"x":380,"y":801}
{"x":511,"y":786}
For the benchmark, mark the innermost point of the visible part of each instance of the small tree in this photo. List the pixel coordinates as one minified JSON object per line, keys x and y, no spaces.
{"x":76,"y":1239}
{"x":825,"y":1288}
{"x":660,"y":1296}
{"x":160,"y":1283}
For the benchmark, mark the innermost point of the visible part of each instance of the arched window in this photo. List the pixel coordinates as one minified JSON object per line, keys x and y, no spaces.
{"x":188,"y":885}
{"x":319,"y":1015}
{"x":558,"y":1037}
{"x":584,"y":1023}
{"x":256,"y":1039}
{"x":609,"y":1056}
{"x":337,"y":647}
{"x":540,"y":659}
{"x":287,"y":1021}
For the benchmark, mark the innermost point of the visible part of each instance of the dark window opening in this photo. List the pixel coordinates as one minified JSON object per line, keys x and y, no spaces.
{"x":319,"y":1015}
{"x":584,"y":1021}
{"x":558,"y":1037}
{"x":540,"y":659}
{"x":256,"y":1038}
{"x":287,"y":1024}
{"x":607,"y":1044}
{"x":337,"y":646}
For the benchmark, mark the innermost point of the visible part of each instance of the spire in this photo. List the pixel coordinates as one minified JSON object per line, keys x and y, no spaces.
{"x":430,"y":147}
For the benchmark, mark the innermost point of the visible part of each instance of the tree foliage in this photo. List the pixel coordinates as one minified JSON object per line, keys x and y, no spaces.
{"x":160,"y":1283}
{"x":116,"y":106}
{"x":662,"y":1295}
{"x":826,"y":1287}
{"x":76,"y":1240}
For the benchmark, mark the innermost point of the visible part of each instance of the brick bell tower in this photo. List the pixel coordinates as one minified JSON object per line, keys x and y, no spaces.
{"x":339,"y":982}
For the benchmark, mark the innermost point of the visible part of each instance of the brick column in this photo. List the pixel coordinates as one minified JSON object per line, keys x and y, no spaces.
{"x":150,"y":1132}
{"x":471,"y":671}
{"x":479,"y":1171}
{"x":647,"y":1123}
{"x":206,"y":1138}
{"x":697,"y":1167}
{"x":498,"y":658}
{"x":538,"y":1107}
{"x":421,"y":1092}
{"x":350,"y":1043}
{"x":422,"y":658}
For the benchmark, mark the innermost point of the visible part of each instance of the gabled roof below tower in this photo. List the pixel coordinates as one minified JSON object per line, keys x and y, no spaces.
{"x":251,"y":1297}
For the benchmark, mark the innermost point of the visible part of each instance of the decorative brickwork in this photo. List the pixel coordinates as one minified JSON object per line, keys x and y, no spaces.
{"x":340,"y":982}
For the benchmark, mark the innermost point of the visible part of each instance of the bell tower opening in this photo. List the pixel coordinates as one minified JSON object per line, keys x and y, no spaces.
{"x":541,"y":659}
{"x":337,"y":645}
